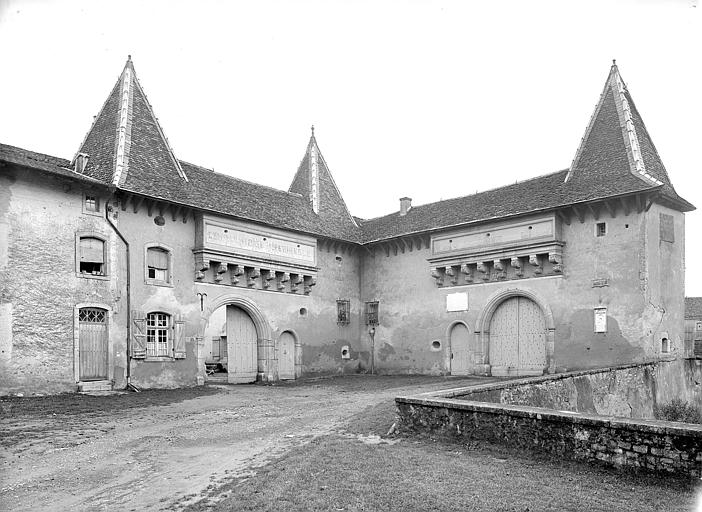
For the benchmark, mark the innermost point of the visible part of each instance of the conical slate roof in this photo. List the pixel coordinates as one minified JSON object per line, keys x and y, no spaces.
{"x":126,"y":145}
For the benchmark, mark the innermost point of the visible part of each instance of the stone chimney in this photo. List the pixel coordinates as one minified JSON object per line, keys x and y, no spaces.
{"x":405,"y":205}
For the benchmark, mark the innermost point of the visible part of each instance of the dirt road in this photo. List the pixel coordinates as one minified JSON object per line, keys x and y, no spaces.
{"x":156,"y":451}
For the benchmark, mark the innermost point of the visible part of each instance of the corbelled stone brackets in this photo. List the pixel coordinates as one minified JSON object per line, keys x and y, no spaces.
{"x":235,"y":253}
{"x":534,"y":262}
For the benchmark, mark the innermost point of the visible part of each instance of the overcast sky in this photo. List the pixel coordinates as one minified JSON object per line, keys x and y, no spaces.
{"x":423,"y":99}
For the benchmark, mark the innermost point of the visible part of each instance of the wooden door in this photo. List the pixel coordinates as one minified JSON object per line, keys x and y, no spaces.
{"x":242,"y":353}
{"x":92,"y":344}
{"x":532,"y":338}
{"x":286,"y":356}
{"x":460,"y":350}
{"x":517,"y":338}
{"x":504,"y":337}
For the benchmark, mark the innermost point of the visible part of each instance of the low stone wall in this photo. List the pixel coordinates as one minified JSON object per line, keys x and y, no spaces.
{"x":660,"y":446}
{"x":630,"y":391}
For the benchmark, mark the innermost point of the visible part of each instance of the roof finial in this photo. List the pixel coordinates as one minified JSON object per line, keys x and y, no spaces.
{"x":312,"y":130}
{"x":614,"y":62}
{"x":129,"y":57}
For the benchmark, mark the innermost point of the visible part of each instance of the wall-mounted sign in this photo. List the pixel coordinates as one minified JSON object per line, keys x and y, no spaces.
{"x":273,"y":247}
{"x":600,"y":319}
{"x":457,"y":302}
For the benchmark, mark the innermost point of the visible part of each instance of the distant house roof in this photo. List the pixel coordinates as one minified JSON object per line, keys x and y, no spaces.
{"x":693,"y":308}
{"x":128,"y":150}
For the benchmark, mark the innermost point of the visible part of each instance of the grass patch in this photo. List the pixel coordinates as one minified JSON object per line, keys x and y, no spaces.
{"x":340,"y":472}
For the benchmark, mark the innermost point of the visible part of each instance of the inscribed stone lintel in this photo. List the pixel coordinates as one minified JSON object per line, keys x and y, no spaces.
{"x":457,"y":302}
{"x":600,"y":283}
{"x":233,"y":239}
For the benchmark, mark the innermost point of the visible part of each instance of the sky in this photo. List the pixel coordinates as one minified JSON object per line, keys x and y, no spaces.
{"x":425,"y":99}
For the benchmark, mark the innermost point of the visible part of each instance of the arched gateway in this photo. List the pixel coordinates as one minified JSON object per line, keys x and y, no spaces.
{"x":516,"y":331}
{"x":250,"y":347}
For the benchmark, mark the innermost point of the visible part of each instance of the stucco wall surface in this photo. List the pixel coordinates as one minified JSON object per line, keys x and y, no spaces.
{"x":628,"y":271}
{"x":631,"y":392}
{"x":39,"y":219}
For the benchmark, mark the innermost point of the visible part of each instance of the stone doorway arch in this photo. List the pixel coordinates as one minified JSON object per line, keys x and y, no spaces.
{"x":482,"y":325}
{"x":267,"y":362}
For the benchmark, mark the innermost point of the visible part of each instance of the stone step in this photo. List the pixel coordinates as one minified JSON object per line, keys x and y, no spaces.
{"x":95,"y":385}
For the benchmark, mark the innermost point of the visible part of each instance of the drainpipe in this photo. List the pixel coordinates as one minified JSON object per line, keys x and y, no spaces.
{"x":108,"y":209}
{"x":371,"y":333}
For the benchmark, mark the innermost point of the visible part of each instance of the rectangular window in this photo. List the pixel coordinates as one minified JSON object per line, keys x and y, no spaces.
{"x":91,"y":257}
{"x":157,"y":265}
{"x":601,"y":229}
{"x":158,"y":335}
{"x":91,"y":204}
{"x":372,"y":313}
{"x":343,"y":311}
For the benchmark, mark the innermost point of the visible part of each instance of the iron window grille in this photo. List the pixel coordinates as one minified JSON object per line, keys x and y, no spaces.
{"x":372,"y":313}
{"x":343,"y":311}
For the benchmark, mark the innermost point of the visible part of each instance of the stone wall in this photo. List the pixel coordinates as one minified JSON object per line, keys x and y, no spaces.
{"x":653,"y":445}
{"x":630,"y":391}
{"x":589,"y":415}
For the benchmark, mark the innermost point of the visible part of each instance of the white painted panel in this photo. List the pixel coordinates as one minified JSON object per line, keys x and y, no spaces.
{"x":241,"y":347}
{"x":457,"y":302}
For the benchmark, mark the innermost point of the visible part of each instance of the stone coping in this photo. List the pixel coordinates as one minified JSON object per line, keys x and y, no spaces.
{"x":512,"y":383}
{"x":448,"y":399}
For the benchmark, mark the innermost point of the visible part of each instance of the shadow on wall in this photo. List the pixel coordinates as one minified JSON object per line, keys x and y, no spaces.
{"x":579,"y":347}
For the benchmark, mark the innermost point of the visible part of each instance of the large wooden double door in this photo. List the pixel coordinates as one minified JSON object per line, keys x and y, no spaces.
{"x":517,"y":338}
{"x":242,"y":347}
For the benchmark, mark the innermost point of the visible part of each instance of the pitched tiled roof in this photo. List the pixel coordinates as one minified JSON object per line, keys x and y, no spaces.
{"x":537,"y":194}
{"x":693,"y":308}
{"x":332,"y":210}
{"x":41,"y":162}
{"x":125,"y":144}
{"x":231,"y":196}
{"x":605,"y":166}
{"x":616,"y":142}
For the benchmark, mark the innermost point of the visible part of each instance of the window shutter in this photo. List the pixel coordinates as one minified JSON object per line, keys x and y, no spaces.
{"x":157,"y":258}
{"x":91,"y":250}
{"x":179,"y":337}
{"x":138,"y":335}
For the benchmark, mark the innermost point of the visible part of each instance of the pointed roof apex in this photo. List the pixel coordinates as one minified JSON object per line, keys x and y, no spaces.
{"x":616,"y":140}
{"x":127,"y":115}
{"x":314,"y":181}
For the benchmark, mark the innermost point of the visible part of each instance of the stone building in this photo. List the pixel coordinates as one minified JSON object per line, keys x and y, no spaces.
{"x":122,"y":264}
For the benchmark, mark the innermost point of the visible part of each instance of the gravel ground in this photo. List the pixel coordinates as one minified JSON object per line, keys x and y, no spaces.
{"x":164,"y":449}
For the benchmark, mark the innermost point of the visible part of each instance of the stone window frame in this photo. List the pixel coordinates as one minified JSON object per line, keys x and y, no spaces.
{"x":599,"y":233}
{"x":99,"y":204}
{"x":105,"y":255}
{"x":76,"y":337}
{"x":170,"y":335}
{"x":169,"y":251}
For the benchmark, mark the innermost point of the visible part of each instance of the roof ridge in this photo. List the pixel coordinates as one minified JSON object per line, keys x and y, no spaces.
{"x":179,"y":169}
{"x":235,"y":178}
{"x":540,"y":176}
